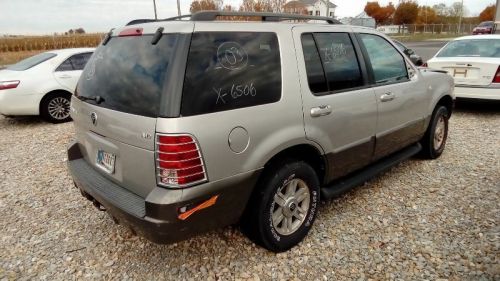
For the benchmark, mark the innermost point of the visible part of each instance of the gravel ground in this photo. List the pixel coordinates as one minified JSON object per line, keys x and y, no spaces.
{"x":421,"y":220}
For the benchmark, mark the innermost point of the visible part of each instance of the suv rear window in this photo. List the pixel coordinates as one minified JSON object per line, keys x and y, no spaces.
{"x":128,"y":73}
{"x":229,"y":70}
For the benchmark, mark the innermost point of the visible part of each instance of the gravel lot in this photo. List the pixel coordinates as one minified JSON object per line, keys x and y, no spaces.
{"x":421,"y":220}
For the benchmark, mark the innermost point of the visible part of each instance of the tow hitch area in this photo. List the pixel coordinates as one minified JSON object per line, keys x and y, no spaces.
{"x":91,"y":199}
{"x":187,"y":211}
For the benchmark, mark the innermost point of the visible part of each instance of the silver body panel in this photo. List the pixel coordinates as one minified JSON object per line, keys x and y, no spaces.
{"x":357,"y":117}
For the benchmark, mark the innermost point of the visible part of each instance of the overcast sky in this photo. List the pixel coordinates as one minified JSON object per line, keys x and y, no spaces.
{"x":49,"y":16}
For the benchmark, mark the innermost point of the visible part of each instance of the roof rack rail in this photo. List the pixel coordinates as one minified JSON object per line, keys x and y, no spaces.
{"x":176,"y":18}
{"x":213,"y":15}
{"x":139,"y":21}
{"x":265,"y":16}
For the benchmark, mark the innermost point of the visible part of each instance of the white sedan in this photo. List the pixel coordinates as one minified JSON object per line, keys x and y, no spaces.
{"x":42,"y":84}
{"x":474,"y":63}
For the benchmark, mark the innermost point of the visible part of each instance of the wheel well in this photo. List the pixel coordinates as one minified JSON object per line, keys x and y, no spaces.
{"x":304,"y":152}
{"x":51,"y":93}
{"x":447,"y":102}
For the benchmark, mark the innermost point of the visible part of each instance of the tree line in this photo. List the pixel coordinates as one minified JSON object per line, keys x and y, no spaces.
{"x":409,"y":12}
{"x":406,"y":12}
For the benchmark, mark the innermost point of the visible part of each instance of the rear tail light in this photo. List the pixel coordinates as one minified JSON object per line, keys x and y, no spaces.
{"x":424,"y":65}
{"x":496,"y":79}
{"x":178,"y":161}
{"x":4,"y":85}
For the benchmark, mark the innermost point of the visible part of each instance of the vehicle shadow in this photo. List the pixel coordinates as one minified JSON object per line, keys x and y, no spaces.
{"x":21,"y":121}
{"x":477,"y":106}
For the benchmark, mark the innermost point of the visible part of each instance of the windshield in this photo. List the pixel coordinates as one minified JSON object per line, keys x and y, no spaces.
{"x":31,"y":62}
{"x":128,"y":74}
{"x":472,"y":48}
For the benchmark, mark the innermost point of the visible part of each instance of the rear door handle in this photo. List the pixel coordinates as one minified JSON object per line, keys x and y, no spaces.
{"x":64,"y":76}
{"x":321,"y":110}
{"x":387,"y":97}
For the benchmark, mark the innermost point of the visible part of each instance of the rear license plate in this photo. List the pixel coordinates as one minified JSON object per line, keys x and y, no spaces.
{"x":106,"y":161}
{"x":460,"y":72}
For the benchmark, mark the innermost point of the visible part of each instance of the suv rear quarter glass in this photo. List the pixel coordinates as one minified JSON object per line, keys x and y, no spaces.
{"x":229,"y":70}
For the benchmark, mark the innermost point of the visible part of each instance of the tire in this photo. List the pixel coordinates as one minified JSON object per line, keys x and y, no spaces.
{"x":55,"y":107}
{"x":290,"y":191}
{"x":435,"y":137}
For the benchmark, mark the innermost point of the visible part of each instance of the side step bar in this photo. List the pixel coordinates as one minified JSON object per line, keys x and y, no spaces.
{"x":358,"y":178}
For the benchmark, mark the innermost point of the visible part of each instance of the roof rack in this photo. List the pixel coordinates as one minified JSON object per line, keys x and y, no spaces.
{"x":139,"y":21}
{"x":264,"y":16}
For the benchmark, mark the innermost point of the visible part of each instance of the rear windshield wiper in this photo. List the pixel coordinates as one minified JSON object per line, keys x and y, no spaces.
{"x":97,"y":99}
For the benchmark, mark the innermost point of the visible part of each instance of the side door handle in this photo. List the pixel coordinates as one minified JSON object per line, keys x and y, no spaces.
{"x":64,"y":76}
{"x":387,"y":97}
{"x":321,"y":110}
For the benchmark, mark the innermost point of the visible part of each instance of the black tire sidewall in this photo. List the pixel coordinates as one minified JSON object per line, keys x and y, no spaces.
{"x":44,"y":108}
{"x":435,"y":153}
{"x":270,"y":237}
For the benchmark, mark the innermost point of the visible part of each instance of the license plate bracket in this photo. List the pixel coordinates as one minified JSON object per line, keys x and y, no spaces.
{"x":106,"y":161}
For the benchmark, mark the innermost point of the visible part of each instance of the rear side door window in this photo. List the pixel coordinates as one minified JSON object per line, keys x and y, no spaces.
{"x":230,"y":70}
{"x":75,"y":62}
{"x":80,"y":60}
{"x":332,"y":64}
{"x":388,"y":65}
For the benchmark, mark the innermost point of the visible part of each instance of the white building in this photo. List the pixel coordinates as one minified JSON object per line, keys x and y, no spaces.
{"x":312,"y":7}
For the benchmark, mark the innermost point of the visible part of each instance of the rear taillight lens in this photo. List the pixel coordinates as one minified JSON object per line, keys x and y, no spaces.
{"x":424,"y":65}
{"x":178,"y":161}
{"x":496,"y":79}
{"x":4,"y":85}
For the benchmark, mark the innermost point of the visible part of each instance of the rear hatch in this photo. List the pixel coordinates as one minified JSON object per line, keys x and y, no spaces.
{"x":118,"y":100}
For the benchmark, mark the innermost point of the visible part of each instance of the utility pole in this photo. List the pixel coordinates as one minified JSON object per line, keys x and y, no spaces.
{"x":178,"y":7}
{"x":154,"y":4}
{"x":327,"y":7}
{"x":461,"y":14}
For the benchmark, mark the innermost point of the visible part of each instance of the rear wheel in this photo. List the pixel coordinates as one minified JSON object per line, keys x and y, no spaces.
{"x":55,"y":107}
{"x":283,"y":210}
{"x":434,"y":140}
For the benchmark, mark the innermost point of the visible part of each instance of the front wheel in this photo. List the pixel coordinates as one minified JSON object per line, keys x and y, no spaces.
{"x":434,"y":140}
{"x":282,"y":211}
{"x":55,"y":108}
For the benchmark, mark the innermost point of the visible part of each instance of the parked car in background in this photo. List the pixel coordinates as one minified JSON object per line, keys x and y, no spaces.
{"x":474,"y":63}
{"x":251,"y":122}
{"x":410,"y":53}
{"x":486,"y":27}
{"x":43,"y":84}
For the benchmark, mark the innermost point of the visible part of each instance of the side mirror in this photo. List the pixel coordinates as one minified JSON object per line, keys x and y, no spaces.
{"x":409,"y":52}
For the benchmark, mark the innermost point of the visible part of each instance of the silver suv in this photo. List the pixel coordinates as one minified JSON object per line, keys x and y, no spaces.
{"x":188,"y":124}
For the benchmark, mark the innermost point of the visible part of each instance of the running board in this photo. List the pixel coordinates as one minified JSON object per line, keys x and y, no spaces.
{"x":340,"y":186}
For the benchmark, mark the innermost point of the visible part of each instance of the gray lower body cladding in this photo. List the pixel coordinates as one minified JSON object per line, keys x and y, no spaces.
{"x":160,"y":223}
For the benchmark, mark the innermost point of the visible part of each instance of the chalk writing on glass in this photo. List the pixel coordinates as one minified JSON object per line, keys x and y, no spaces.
{"x":92,"y":63}
{"x":232,"y":56}
{"x":334,"y":51}
{"x":235,"y":92}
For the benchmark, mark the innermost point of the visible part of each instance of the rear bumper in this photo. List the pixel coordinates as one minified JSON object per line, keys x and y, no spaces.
{"x":487,"y":93}
{"x":156,"y":217}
